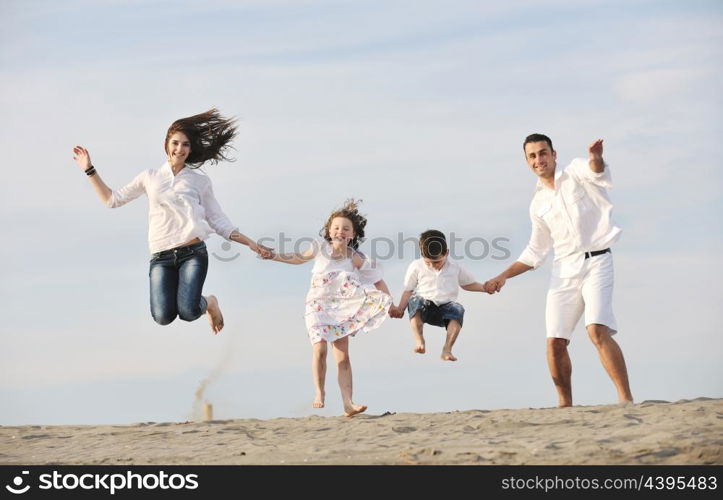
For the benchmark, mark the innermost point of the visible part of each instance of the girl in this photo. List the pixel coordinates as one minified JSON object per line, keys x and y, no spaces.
{"x":182,"y":213}
{"x":340,"y":302}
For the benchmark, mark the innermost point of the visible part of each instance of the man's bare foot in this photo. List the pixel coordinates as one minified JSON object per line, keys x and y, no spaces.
{"x":420,"y":349}
{"x":214,"y":314}
{"x":353,"y":409}
{"x":319,"y":401}
{"x":448,"y":356}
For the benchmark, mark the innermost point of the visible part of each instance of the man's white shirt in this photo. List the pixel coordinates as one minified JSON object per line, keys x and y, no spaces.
{"x":573,"y":218}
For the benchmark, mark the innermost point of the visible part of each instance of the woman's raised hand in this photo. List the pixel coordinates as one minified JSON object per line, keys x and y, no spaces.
{"x":81,"y":157}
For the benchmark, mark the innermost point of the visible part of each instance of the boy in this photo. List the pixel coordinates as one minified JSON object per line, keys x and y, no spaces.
{"x":431,"y":286}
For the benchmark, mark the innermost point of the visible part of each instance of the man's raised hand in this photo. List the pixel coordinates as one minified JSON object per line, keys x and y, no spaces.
{"x":595,"y":150}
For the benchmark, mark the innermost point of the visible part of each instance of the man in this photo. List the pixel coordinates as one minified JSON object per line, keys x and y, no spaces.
{"x":571,"y":213}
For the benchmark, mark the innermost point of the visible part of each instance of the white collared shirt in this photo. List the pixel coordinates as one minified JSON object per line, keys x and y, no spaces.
{"x":573,"y":218}
{"x":180,"y":207}
{"x":438,"y":286}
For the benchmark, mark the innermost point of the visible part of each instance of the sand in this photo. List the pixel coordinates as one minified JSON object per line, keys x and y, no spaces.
{"x":651,"y":432}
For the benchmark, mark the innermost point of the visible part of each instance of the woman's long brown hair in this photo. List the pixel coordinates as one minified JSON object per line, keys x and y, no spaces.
{"x":209,"y":134}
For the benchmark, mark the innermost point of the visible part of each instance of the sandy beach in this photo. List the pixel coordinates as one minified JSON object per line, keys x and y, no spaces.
{"x":650,"y":432}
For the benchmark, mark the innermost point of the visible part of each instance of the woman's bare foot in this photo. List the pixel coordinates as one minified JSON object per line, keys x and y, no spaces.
{"x":353,"y":409}
{"x":319,"y":401}
{"x":448,"y":356}
{"x":420,"y":349}
{"x":214,"y":314}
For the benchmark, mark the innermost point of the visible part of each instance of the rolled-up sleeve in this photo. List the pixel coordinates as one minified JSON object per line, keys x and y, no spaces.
{"x":215,"y":217}
{"x":580,"y":169}
{"x":129,"y":192}
{"x":539,"y":245}
{"x":410,"y":278}
{"x":465,"y":277}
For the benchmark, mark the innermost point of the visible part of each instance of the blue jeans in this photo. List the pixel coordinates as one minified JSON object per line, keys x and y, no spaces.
{"x":176,"y":278}
{"x":433,"y":314}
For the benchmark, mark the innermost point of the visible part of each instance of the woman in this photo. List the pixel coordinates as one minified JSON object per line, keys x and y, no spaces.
{"x":182,"y":213}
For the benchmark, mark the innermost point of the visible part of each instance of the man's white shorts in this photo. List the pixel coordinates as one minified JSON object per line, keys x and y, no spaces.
{"x":591,"y":292}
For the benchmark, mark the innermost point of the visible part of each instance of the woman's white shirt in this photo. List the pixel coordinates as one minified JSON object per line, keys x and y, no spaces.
{"x":180,"y":207}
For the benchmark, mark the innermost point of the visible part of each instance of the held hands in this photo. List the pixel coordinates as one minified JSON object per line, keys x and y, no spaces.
{"x":396,"y":312}
{"x":494,"y":285}
{"x":81,"y":157}
{"x":263,"y":251}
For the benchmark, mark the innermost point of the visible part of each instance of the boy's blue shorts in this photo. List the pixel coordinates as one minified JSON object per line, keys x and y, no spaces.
{"x":433,"y":314}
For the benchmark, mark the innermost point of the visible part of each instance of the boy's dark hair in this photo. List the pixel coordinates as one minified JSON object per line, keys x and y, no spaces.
{"x":433,"y":244}
{"x":537,"y":138}
{"x":209,"y":134}
{"x":350,"y":211}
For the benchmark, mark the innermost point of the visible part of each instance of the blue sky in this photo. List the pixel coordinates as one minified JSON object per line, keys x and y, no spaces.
{"x":419,"y":108}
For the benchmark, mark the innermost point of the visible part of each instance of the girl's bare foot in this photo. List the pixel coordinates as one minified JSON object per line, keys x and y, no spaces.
{"x":214,"y":314}
{"x":420,"y":349}
{"x":352,"y":409}
{"x":319,"y":401}
{"x":448,"y":356}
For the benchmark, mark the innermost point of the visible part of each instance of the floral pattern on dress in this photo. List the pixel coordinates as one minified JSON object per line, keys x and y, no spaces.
{"x":338,"y":305}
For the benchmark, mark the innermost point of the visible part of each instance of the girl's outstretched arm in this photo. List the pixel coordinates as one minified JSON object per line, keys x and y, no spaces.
{"x":294,"y":257}
{"x":381,"y":285}
{"x":82,"y":158}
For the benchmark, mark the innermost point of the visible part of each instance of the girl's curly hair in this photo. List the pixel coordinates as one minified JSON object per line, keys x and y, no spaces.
{"x":209,"y":134}
{"x":350,"y":211}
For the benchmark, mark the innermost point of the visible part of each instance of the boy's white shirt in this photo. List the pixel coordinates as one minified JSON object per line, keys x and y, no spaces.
{"x":438,"y":286}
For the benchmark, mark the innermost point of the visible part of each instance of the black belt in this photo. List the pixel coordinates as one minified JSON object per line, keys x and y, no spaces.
{"x":173,"y":251}
{"x":596,"y":252}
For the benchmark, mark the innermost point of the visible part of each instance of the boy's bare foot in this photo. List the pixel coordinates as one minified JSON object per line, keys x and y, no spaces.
{"x":353,"y":409}
{"x":420,"y":349}
{"x":448,"y":356}
{"x":319,"y":401}
{"x":214,"y":314}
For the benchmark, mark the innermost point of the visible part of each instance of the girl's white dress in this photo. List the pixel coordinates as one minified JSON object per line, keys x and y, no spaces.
{"x":342,"y":300}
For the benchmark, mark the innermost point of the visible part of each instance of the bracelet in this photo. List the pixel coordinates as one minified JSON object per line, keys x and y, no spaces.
{"x":90,"y":171}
